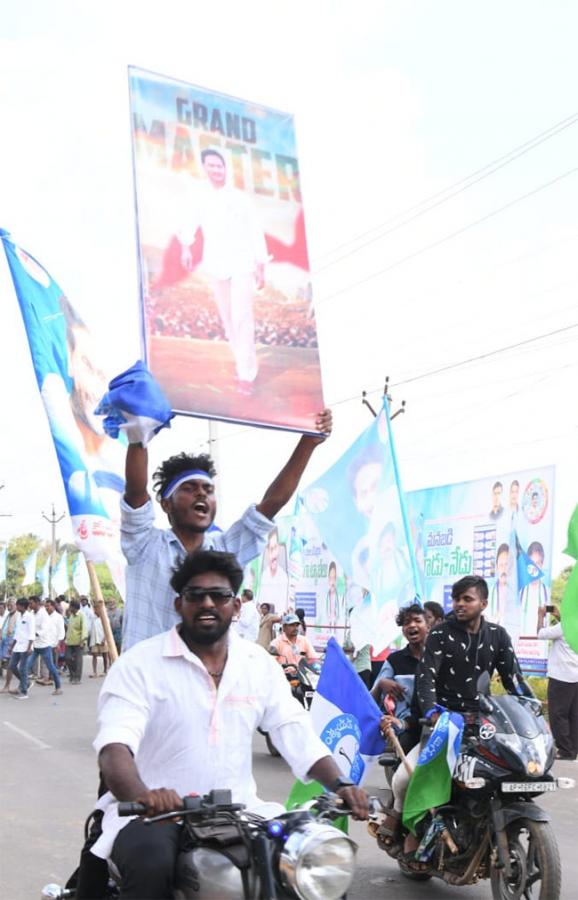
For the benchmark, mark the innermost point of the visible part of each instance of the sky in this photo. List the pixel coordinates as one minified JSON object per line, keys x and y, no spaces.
{"x":394,"y":103}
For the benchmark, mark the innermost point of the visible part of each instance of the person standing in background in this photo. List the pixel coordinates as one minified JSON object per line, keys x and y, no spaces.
{"x":76,"y":637}
{"x":562,"y":685}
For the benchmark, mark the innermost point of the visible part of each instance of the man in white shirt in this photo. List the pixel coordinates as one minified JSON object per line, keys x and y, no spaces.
{"x":22,"y":647}
{"x":185,"y":488}
{"x":177,"y":714}
{"x":562,"y":686}
{"x":247,"y":625}
{"x":58,"y":633}
{"x":234,"y":255}
{"x":43,"y":642}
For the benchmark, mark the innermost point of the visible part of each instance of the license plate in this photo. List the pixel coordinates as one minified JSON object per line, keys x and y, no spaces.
{"x":528,"y":787}
{"x":309,"y":694}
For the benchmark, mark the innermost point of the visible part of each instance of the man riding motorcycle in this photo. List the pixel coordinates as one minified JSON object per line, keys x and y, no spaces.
{"x":291,"y":646}
{"x":456,"y":652}
{"x":177,"y":713}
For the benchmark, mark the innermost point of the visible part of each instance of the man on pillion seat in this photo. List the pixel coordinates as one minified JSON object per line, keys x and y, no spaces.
{"x":456,"y":652}
{"x":177,"y":714}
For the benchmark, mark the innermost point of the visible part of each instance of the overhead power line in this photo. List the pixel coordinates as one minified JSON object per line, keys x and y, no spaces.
{"x":399,"y":220}
{"x":450,"y":236}
{"x":464,"y":362}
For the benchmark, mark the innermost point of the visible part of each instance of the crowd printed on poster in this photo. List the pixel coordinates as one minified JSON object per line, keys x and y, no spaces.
{"x":225,"y":275}
{"x":501,"y":529}
{"x":71,"y":379}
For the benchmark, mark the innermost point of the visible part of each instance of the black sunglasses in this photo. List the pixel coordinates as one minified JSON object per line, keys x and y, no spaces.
{"x":197,"y":595}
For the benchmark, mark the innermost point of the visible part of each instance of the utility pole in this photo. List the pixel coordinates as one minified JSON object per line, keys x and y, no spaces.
{"x":53,"y":521}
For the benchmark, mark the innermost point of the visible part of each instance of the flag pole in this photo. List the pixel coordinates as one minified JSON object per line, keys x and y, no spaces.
{"x":101,"y":611}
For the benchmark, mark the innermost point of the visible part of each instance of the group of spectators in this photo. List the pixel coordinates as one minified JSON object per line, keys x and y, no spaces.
{"x":40,"y":640}
{"x":172,"y":314}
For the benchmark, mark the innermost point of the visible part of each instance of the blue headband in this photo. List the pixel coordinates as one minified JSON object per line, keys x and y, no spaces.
{"x":189,"y":475}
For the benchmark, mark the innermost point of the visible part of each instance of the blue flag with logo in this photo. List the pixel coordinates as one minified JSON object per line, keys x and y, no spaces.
{"x":71,"y":382}
{"x":346,"y":718}
{"x":376,"y":548}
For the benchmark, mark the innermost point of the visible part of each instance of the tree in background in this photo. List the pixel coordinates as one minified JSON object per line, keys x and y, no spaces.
{"x":559,"y":584}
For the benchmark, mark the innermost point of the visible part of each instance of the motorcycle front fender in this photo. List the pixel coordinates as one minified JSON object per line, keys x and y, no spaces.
{"x":521,"y":810}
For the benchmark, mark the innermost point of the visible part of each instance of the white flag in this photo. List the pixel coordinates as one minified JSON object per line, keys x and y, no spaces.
{"x":30,"y":569}
{"x":80,"y":576}
{"x":60,"y":583}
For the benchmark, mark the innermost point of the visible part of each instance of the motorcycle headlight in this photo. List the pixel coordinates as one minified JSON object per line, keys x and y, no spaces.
{"x":317,"y":862}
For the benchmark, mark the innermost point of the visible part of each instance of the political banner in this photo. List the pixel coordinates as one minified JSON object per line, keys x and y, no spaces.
{"x":375,"y":547}
{"x":225,"y":277}
{"x":30,"y":569}
{"x":71,"y":381}
{"x":297,"y":571}
{"x":500,"y":528}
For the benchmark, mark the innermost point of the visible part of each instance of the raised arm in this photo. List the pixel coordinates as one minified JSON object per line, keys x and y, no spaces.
{"x":285,"y":484}
{"x":136,"y":475}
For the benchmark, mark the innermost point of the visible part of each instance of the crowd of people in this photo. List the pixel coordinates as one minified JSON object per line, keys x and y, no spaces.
{"x":171,"y":313}
{"x":43,"y":641}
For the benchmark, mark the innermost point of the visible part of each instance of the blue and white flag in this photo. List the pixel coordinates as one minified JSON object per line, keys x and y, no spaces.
{"x":3,"y":563}
{"x":30,"y":569}
{"x":71,"y":382}
{"x":44,"y":578}
{"x":60,"y":581}
{"x":135,"y":404}
{"x":359,"y":510}
{"x":80,"y":576}
{"x":345,"y":715}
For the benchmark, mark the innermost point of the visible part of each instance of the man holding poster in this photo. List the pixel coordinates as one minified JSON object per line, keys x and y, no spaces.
{"x":233,"y":254}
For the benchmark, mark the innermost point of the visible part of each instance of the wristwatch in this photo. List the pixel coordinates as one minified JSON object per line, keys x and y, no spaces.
{"x":340,"y":782}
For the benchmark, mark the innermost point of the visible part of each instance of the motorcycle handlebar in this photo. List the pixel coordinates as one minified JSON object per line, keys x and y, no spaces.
{"x":129,"y":808}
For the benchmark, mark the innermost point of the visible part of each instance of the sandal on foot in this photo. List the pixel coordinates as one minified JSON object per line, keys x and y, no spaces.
{"x":407,"y":860}
{"x":389,"y":832}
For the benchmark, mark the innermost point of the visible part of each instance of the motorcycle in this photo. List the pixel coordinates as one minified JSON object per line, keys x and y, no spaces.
{"x":303,"y":679}
{"x":228,"y":852}
{"x":491,"y":827}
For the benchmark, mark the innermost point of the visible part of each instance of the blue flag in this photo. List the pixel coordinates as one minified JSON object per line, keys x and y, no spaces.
{"x":135,"y":403}
{"x":358,"y":508}
{"x":345,"y":715}
{"x":346,"y":718}
{"x":71,"y":383}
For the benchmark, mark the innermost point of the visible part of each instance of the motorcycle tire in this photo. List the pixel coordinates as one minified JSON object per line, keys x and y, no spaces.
{"x":415,"y":876}
{"x":271,"y":746}
{"x":533,"y":854}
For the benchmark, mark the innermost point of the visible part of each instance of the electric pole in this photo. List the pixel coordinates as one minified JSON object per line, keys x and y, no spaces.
{"x":53,"y":521}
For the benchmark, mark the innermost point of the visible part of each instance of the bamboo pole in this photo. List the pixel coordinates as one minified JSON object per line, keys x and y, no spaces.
{"x":101,"y":611}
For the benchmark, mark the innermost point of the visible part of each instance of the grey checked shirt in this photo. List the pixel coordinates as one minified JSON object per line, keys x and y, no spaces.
{"x":152,"y":554}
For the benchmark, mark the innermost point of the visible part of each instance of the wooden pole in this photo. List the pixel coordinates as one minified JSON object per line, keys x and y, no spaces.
{"x":101,"y":611}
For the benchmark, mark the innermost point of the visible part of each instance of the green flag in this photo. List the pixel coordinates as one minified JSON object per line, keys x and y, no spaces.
{"x":302,"y":793}
{"x":569,"y":610}
{"x":569,"y":607}
{"x":572,"y":548}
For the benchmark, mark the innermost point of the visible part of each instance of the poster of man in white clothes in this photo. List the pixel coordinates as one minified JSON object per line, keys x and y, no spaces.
{"x":228,"y":320}
{"x":234,"y":255}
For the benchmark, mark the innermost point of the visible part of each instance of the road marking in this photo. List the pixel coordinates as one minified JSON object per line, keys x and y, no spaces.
{"x":40,"y":744}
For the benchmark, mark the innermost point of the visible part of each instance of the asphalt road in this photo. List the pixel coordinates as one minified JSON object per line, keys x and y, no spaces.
{"x":48,"y":781}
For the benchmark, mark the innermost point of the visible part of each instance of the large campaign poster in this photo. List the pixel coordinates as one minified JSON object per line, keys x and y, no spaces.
{"x":227,"y":307}
{"x":500,"y":528}
{"x":297,"y":571}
